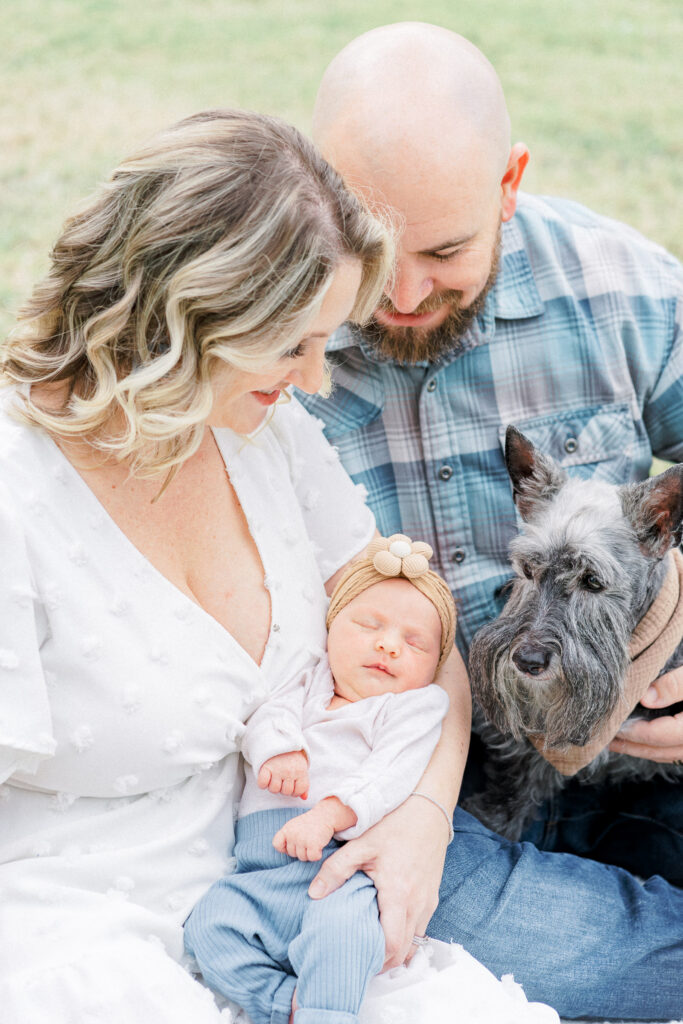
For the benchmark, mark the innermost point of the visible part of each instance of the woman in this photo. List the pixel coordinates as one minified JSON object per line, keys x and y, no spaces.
{"x":165,"y":537}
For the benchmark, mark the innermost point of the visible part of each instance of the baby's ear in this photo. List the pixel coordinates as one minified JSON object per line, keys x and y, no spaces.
{"x":536,"y":478}
{"x":655,"y":510}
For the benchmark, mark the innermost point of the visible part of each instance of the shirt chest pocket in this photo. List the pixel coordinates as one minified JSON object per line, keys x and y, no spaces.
{"x":598,"y":441}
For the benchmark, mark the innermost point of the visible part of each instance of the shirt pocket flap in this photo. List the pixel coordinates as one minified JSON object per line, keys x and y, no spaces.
{"x":581,"y":437}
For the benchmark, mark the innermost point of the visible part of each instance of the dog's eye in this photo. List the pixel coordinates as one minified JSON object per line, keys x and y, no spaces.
{"x":526,"y":569}
{"x":592,"y":582}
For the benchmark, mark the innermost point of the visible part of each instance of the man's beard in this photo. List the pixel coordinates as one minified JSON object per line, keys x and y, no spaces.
{"x":415,"y":344}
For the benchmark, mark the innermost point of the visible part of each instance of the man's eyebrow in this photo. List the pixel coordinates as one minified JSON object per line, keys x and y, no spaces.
{"x":453,"y":244}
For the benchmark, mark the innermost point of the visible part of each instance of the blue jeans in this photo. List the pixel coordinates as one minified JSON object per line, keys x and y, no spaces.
{"x":589,"y":938}
{"x":636,"y":825}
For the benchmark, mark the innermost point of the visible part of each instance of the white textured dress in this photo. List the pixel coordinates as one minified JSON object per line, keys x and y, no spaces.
{"x":122,"y":703}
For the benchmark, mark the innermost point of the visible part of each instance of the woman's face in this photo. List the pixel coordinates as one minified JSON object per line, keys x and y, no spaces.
{"x":242,"y":399}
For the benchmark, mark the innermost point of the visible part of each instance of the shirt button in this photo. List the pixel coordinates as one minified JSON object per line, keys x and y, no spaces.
{"x":446,"y":472}
{"x":570,"y":445}
{"x":458,"y":555}
{"x":432,"y":385}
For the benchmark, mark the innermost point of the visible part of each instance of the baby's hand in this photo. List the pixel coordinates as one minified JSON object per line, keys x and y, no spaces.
{"x":305,"y":836}
{"x":286,"y":774}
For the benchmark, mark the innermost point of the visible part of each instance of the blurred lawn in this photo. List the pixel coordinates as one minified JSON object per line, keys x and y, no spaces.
{"x":594,"y":88}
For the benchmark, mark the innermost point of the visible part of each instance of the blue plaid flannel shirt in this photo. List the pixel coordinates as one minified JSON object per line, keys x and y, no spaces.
{"x":580,"y":345}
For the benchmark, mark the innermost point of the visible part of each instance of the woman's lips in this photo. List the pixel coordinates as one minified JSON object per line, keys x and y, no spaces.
{"x":267,"y":398}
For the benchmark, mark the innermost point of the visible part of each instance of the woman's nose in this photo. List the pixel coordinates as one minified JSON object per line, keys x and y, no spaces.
{"x":409,"y":287}
{"x":308,"y":373}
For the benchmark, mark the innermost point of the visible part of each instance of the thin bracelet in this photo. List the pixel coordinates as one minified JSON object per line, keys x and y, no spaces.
{"x":443,"y":810}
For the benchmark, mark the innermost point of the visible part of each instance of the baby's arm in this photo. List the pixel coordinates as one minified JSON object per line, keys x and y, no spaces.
{"x":402,"y":745}
{"x":403,"y":741}
{"x":306,"y":836}
{"x":273,"y":742}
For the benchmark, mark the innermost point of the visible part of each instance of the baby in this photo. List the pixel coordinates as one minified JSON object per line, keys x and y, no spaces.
{"x":352,"y":740}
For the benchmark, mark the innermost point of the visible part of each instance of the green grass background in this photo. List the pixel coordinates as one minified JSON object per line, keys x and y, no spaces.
{"x":594,"y":87}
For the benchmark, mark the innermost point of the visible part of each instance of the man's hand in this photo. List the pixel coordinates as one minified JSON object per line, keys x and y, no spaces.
{"x":404,"y":855}
{"x":660,"y":739}
{"x":305,"y":836}
{"x":286,"y":774}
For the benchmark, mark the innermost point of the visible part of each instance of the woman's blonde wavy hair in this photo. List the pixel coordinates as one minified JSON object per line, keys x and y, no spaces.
{"x":217,"y":241}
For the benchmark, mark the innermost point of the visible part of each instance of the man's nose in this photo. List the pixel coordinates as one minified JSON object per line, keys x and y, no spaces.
{"x":409,"y":287}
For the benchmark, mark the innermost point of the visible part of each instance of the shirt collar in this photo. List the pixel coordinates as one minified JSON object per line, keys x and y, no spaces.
{"x":514,"y":296}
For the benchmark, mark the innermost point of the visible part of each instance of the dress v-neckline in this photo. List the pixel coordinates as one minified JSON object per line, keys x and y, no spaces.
{"x":151,"y":567}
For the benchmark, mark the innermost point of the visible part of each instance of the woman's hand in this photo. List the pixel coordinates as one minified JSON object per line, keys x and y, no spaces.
{"x":404,"y":855}
{"x":660,"y":739}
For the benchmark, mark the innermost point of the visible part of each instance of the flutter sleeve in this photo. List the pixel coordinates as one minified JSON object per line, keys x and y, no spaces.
{"x":337,"y":518}
{"x":403,"y":743}
{"x":25,"y":719}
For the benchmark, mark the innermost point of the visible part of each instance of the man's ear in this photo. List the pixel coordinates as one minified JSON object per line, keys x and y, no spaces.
{"x":517,"y":161}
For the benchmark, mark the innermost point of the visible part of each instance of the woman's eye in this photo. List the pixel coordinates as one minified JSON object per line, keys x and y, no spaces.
{"x":295,"y":353}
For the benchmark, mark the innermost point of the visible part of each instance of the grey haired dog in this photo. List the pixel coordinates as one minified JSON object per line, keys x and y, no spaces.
{"x":589,"y":564}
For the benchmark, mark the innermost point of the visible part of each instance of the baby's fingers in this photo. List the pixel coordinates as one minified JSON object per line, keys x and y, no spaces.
{"x":264,"y":776}
{"x":301,"y":787}
{"x":280,"y":841}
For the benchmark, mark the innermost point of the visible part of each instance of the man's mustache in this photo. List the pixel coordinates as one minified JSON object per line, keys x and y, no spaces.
{"x":434,"y":301}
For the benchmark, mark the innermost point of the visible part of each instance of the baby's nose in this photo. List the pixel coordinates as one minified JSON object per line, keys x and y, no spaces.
{"x":389,"y":643}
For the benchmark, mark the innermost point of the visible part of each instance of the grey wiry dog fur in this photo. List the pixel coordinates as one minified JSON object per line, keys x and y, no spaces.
{"x":588,"y":564}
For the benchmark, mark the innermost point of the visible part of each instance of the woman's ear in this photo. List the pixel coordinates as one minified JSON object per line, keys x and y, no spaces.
{"x":517,"y":161}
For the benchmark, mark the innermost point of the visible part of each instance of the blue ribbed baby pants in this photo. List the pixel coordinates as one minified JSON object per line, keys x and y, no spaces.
{"x":257,"y":935}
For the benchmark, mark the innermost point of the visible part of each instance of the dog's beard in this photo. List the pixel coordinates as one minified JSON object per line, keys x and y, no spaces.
{"x":414,"y":344}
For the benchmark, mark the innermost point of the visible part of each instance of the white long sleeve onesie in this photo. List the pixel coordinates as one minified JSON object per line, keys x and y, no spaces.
{"x":370,"y":754}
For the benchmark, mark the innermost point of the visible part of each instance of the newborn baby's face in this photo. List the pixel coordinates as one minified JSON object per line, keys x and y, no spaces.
{"x":387,"y":640}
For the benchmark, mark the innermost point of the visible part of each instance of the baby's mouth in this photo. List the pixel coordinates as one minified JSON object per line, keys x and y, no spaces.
{"x":378,"y":666}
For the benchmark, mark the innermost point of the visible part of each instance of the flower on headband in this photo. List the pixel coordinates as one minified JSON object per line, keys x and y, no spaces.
{"x":399,"y":556}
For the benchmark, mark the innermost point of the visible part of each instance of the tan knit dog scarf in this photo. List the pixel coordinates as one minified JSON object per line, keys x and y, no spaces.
{"x":653,"y":641}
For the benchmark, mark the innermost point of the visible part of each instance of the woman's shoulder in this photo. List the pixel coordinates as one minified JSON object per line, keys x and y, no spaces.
{"x":18,"y":439}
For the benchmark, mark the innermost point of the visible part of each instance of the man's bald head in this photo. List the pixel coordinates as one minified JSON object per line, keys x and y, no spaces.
{"x":410,"y":94}
{"x":413,"y":117}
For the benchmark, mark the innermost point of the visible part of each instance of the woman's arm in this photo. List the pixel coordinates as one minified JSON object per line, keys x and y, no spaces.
{"x":404,"y":853}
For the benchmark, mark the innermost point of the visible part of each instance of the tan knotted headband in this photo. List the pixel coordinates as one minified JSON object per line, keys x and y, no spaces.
{"x":398,"y":557}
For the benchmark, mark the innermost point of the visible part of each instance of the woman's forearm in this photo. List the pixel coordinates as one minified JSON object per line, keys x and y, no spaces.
{"x":443,"y":776}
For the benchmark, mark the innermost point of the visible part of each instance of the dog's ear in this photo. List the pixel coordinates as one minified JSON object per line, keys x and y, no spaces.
{"x":536,"y":478}
{"x":655,"y":509}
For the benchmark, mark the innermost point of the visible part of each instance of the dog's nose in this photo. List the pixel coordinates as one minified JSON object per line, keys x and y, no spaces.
{"x":531,"y":659}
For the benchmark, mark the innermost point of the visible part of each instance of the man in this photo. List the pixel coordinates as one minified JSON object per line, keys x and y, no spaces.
{"x":506,"y":309}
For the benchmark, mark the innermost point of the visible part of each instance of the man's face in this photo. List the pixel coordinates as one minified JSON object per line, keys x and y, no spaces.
{"x":448,"y":252}
{"x":437,"y":323}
